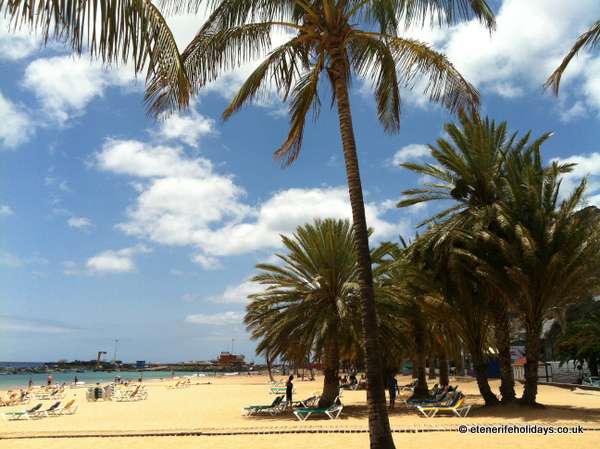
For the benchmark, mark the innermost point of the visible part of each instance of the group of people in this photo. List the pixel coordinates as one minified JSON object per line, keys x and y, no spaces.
{"x":15,"y":397}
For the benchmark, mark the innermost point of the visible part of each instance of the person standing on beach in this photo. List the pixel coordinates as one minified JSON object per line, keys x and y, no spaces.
{"x":30,"y":383}
{"x":49,"y":379}
{"x":392,"y":389}
{"x":289,"y":388}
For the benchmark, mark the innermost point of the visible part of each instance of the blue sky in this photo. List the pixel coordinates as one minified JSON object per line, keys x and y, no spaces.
{"x":114,"y":225}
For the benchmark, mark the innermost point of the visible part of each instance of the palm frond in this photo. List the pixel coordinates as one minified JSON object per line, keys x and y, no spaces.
{"x":115,"y":31}
{"x":588,"y":39}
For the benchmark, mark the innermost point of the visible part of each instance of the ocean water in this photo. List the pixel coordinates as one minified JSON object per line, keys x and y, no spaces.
{"x":8,"y":381}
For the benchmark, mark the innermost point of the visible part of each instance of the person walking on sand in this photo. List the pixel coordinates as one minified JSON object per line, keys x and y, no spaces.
{"x":392,"y":389}
{"x":289,"y":388}
{"x":30,"y":383}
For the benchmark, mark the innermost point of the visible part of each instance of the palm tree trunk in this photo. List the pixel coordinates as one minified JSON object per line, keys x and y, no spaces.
{"x":431,"y":374}
{"x":502,"y":333}
{"x":331,"y":362}
{"x":269,"y":370}
{"x":593,"y":366}
{"x":444,"y":377}
{"x":415,"y":374}
{"x":379,"y":426}
{"x":480,"y":367}
{"x":533,"y":344}
{"x":421,"y":390}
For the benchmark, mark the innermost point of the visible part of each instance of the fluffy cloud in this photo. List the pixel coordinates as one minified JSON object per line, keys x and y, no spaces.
{"x":237,"y":293}
{"x":6,"y":210}
{"x":217,"y":319}
{"x":182,"y":201}
{"x":119,"y":261}
{"x":410,"y":153}
{"x":17,"y":126}
{"x":15,"y":43}
{"x":233,"y":294}
{"x":587,"y":165}
{"x":66,"y":84}
{"x":530,"y":40}
{"x":186,"y":128}
{"x":79,"y":222}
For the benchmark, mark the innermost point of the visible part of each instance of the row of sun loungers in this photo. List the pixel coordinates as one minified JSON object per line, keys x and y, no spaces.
{"x":139,"y":393}
{"x":456,"y":406}
{"x":36,"y":411}
{"x":301,"y":409}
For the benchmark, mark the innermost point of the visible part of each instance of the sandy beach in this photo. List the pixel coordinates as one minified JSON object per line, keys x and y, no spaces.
{"x":216,"y":408}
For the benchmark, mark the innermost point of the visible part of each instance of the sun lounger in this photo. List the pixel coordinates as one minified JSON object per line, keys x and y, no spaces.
{"x":309,"y":402}
{"x":276,"y":407}
{"x":67,"y":409}
{"x":25,"y":414}
{"x":41,"y":413}
{"x":332,"y":412}
{"x":70,"y":408}
{"x":137,"y":394}
{"x":457,"y":408}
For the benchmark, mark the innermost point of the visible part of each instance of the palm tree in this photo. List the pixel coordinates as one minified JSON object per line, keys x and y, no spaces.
{"x":590,"y":38}
{"x":549,"y":251}
{"x":328,"y":38}
{"x":469,"y":174}
{"x":311,"y":301}
{"x":458,"y":297}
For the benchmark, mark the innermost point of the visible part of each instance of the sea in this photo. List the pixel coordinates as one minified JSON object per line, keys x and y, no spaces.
{"x":9,"y":381}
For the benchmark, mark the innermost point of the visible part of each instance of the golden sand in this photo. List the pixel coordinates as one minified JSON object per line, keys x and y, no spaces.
{"x":218,"y":406}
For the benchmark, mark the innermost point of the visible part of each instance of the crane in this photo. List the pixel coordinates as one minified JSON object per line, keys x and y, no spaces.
{"x":99,"y":357}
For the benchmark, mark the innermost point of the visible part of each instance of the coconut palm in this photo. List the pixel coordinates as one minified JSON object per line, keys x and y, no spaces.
{"x":468,"y":176}
{"x":589,"y":39}
{"x":311,"y":301}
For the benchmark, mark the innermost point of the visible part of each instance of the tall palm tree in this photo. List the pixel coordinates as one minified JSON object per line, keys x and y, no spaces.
{"x":469,"y":175}
{"x":549,"y":252}
{"x":590,"y":39}
{"x":311,"y":301}
{"x":336,"y":38}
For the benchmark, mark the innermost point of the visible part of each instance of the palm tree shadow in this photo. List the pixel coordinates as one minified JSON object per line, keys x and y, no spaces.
{"x":548,"y":413}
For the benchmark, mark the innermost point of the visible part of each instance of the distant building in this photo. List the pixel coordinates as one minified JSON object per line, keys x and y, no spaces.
{"x":140,"y":364}
{"x":227,"y":358}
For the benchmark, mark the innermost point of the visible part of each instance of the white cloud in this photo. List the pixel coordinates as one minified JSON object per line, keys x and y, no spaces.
{"x":217,"y":319}
{"x":6,"y":210}
{"x":17,"y":127}
{"x":207,"y":262}
{"x":576,"y":111}
{"x":187,"y":128}
{"x":531,"y":39}
{"x":65,"y":85}
{"x":410,"y":153}
{"x":131,"y":157}
{"x":118,"y":261}
{"x":10,"y":260}
{"x":233,"y":294}
{"x":237,"y":293}
{"x":17,"y":324}
{"x":15,"y":43}
{"x":79,"y":222}
{"x":182,"y":201}
{"x":587,"y":165}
